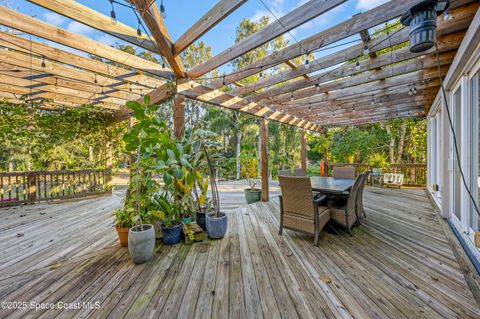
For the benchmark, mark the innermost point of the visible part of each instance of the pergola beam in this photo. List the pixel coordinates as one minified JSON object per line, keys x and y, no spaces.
{"x":299,"y":16}
{"x":219,"y":12}
{"x":154,"y":21}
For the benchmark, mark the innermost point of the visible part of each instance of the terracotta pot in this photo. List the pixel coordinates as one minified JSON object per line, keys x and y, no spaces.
{"x":122,"y":235}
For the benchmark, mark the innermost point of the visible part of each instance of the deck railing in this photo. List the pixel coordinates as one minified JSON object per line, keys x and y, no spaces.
{"x":36,"y":186}
{"x":413,"y":174}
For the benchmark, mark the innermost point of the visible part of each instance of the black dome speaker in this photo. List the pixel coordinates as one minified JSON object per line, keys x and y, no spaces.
{"x":422,"y":20}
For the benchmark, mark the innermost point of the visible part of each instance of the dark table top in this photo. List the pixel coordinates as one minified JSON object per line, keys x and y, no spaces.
{"x":330,"y":185}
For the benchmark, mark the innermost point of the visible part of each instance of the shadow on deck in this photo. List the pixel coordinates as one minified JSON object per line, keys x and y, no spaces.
{"x":398,"y":264}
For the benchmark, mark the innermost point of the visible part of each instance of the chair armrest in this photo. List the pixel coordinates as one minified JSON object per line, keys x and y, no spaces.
{"x":320,"y":200}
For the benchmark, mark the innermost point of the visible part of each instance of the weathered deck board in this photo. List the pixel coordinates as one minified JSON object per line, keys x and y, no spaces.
{"x":398,"y":264}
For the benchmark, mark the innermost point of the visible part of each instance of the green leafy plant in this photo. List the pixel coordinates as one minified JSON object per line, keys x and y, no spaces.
{"x":249,"y":171}
{"x":124,"y":218}
{"x":378,"y":160}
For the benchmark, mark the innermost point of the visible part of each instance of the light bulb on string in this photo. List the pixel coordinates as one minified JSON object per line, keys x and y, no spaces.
{"x":366,"y":51}
{"x":261,"y":72}
{"x":357,"y":65}
{"x":162,"y":10}
{"x":113,"y":15}
{"x":291,"y":96}
{"x":414,"y":89}
{"x":43,"y":61}
{"x":447,"y":16}
{"x":373,"y":101}
{"x":139,"y":31}
{"x":410,"y":91}
{"x":307,"y":63}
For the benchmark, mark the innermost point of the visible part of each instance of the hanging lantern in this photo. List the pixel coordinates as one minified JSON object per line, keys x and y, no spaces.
{"x":422,"y":20}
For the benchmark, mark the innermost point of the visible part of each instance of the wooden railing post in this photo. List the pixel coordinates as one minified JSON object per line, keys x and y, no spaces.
{"x":32,"y":188}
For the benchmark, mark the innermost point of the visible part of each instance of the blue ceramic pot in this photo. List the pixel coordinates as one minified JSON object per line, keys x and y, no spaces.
{"x":172,"y":235}
{"x":201,"y":220}
{"x":216,"y":226}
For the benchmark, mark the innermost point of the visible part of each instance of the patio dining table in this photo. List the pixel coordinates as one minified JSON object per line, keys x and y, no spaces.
{"x":330,"y":185}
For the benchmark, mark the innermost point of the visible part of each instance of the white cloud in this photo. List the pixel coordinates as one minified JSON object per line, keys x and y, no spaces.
{"x":369,"y":4}
{"x":79,"y":28}
{"x":106,"y":39}
{"x":53,"y":18}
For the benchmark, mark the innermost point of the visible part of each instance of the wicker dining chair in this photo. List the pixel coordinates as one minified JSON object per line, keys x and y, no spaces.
{"x":299,"y":210}
{"x":359,"y":198}
{"x":343,"y":208}
{"x":285,"y":172}
{"x":300,"y":172}
{"x":343,"y":172}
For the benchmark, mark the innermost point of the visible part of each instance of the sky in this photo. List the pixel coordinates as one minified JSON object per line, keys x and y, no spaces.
{"x":181,"y":14}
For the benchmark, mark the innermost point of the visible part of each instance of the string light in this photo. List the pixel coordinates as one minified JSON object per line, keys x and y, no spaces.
{"x":357,"y":65}
{"x":414,"y":89}
{"x":372,"y":102}
{"x":223,"y":80}
{"x":43,"y":61}
{"x":307,"y":63}
{"x":95,"y":80}
{"x":163,"y":65}
{"x":366,"y":51}
{"x":113,"y":15}
{"x":291,"y":96}
{"x":447,"y":16}
{"x":162,"y":10}
{"x":410,"y":91}
{"x":261,"y":73}
{"x":139,"y":31}
{"x":317,"y":85}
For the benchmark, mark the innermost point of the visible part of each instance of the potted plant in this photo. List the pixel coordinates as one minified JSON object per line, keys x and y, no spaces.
{"x":142,"y":137}
{"x":249,"y":170}
{"x":123,"y":221}
{"x":171,"y":221}
{"x":377,"y":162}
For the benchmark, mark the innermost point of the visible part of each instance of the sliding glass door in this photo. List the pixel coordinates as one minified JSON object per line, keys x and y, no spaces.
{"x":474,"y":96}
{"x":456,"y":114}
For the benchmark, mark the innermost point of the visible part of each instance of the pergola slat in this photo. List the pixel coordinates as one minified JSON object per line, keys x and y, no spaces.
{"x":24,"y":23}
{"x":297,"y":17}
{"x":369,"y":19}
{"x":219,"y":12}
{"x":92,"y":18}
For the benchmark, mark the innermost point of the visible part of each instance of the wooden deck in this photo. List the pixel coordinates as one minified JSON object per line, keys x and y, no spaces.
{"x":398,"y":264}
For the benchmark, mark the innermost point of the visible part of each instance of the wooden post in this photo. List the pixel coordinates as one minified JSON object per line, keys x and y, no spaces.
{"x":32,"y":187}
{"x":264,"y":151}
{"x":304,"y":150}
{"x":179,"y":115}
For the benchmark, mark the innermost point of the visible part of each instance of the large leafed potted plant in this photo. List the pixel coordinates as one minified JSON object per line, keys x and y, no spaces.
{"x":142,"y":138}
{"x":123,"y":222}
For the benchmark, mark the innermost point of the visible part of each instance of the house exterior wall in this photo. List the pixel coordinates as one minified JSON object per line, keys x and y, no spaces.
{"x":461,"y":86}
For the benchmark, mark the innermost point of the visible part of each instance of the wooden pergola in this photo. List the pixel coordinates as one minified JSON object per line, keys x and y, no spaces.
{"x":348,"y":87}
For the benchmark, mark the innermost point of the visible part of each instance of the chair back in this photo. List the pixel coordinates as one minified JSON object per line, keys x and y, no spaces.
{"x":343,"y":172}
{"x":297,"y":197}
{"x":285,"y":172}
{"x":300,"y":172}
{"x":359,"y":197}
{"x":352,"y":198}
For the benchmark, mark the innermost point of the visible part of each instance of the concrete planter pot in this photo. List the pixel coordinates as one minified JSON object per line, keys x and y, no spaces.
{"x":253,"y":196}
{"x":122,"y":235}
{"x":141,"y":243}
{"x":216,"y":226}
{"x":172,"y":235}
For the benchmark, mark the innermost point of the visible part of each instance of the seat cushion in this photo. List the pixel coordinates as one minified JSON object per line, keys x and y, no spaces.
{"x":299,"y":222}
